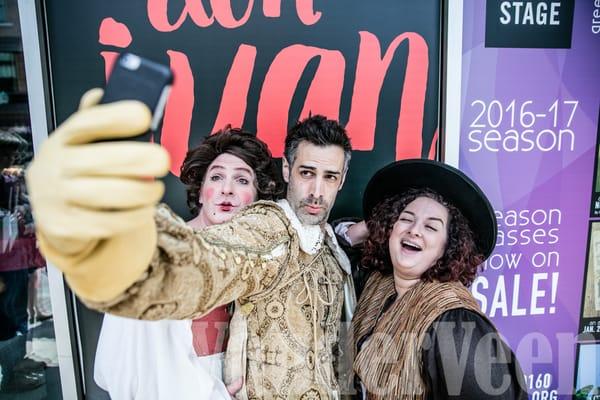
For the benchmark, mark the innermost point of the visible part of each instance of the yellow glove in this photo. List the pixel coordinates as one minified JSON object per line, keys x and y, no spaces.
{"x":93,"y":203}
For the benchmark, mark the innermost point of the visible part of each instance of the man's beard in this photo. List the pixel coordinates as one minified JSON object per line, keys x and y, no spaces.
{"x":304,"y":216}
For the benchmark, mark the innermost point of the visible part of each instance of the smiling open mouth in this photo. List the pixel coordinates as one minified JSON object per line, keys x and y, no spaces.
{"x":411,"y":246}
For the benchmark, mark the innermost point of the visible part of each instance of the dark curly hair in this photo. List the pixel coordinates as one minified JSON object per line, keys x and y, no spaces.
{"x":241,"y":144}
{"x":460,"y":260}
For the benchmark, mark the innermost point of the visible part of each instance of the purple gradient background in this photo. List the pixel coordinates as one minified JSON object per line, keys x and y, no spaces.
{"x":535,"y":179}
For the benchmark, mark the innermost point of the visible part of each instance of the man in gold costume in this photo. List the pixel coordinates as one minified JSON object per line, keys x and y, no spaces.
{"x":278,"y":261}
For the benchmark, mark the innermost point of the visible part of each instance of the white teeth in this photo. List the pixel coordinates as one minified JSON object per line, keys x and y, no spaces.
{"x":410,"y":244}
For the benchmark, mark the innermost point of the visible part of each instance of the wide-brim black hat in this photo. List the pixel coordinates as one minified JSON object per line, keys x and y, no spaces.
{"x":453,"y":185}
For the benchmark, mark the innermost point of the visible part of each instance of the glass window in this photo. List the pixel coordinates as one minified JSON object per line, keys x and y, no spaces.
{"x":3,"y":11}
{"x":28,"y":356}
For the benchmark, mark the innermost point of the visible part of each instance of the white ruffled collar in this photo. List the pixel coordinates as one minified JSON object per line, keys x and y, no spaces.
{"x":311,"y":237}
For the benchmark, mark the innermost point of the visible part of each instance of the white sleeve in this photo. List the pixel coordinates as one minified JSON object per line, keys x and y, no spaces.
{"x":342,"y":230}
{"x":151,"y":360}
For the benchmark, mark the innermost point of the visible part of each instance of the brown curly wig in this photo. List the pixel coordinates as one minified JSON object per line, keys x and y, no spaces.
{"x":241,"y":144}
{"x":460,"y":260}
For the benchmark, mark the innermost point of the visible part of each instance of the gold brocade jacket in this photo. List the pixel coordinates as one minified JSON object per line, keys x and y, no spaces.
{"x":290,"y":283}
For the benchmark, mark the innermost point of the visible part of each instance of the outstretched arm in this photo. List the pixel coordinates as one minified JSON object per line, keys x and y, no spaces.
{"x":94,"y":203}
{"x":193,"y":272}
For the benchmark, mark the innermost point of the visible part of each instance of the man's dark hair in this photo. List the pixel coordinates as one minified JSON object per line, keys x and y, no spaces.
{"x":241,"y":144}
{"x":319,"y":131}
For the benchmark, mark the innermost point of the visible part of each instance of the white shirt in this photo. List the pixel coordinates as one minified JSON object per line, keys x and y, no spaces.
{"x":147,"y":360}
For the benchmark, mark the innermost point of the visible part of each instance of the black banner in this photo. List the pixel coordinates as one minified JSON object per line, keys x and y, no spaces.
{"x":264,"y":65}
{"x":529,"y":23}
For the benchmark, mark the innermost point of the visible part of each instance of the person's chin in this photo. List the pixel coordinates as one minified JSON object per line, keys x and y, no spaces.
{"x":311,"y":219}
{"x":221,"y":217}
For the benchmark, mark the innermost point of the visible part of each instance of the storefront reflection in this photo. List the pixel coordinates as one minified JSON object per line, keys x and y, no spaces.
{"x":28,"y":356}
{"x":27,"y":345}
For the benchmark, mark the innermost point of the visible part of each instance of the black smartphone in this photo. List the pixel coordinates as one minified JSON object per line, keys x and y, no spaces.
{"x":137,"y":78}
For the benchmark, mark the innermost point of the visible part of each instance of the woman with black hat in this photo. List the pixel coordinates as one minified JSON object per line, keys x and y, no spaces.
{"x":417,"y":330}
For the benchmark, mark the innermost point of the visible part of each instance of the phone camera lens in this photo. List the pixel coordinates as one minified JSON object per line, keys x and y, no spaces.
{"x":131,"y":62}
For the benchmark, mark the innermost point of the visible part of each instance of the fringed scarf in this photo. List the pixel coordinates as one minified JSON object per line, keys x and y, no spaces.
{"x":389,"y":363}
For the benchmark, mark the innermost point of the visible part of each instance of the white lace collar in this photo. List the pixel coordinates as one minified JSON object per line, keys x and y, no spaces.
{"x":311,"y":237}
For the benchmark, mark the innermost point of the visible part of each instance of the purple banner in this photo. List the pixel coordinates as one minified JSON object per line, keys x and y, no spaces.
{"x":529,"y":123}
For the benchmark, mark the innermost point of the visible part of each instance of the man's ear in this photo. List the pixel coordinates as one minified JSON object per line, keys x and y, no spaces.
{"x":285,"y":169}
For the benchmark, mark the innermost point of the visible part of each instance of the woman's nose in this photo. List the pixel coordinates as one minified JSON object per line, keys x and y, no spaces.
{"x":227,"y":187}
{"x":415,"y":231}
